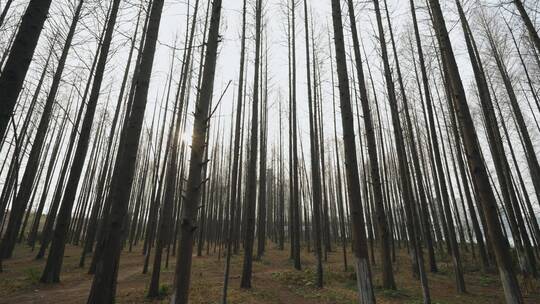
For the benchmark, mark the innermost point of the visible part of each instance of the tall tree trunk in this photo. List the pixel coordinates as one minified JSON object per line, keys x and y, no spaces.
{"x":53,"y":161}
{"x":234,"y":193}
{"x":528,"y":24}
{"x":411,"y":203}
{"x":21,"y":141}
{"x":314,"y":157}
{"x":164,"y":229}
{"x":51,"y":273}
{"x":4,"y":12}
{"x":339,"y":193}
{"x":293,"y":144}
{"x":251,"y":190}
{"x":427,"y":95}
{"x":388,"y":279}
{"x":263,"y":199}
{"x":104,"y":283}
{"x":530,"y":154}
{"x":194,"y":182}
{"x":30,"y":171}
{"x":20,"y":56}
{"x":476,"y":166}
{"x":108,"y":159}
{"x":363,"y":271}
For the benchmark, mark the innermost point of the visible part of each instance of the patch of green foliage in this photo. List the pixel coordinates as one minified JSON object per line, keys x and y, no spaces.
{"x":486,"y":281}
{"x":32,"y":275}
{"x":164,"y":290}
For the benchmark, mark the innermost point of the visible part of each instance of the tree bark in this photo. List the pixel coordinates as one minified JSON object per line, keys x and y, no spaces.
{"x":251,"y":190}
{"x":104,"y":283}
{"x":20,"y":56}
{"x":528,"y":24}
{"x":194,"y":182}
{"x":363,"y":271}
{"x":51,"y":273}
{"x":476,"y":166}
{"x":31,"y":169}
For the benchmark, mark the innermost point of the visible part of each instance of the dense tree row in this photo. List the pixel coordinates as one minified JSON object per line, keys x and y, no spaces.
{"x":435,"y":153}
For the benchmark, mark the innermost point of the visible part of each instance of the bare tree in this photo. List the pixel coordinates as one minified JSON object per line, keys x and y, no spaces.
{"x":18,"y":61}
{"x":363,"y":271}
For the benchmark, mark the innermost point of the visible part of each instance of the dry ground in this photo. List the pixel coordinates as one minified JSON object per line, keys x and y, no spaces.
{"x":274,"y":281}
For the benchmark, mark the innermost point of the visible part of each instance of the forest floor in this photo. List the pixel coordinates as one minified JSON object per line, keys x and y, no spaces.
{"x":274,"y":281}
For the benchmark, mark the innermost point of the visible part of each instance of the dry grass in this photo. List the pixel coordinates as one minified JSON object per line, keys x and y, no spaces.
{"x":274,"y":281}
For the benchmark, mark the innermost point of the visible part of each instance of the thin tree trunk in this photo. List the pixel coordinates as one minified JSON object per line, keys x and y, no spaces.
{"x":315,"y":158}
{"x":251,"y":190}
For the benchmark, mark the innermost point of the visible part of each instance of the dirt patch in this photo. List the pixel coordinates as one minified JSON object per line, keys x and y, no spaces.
{"x":274,"y":281}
